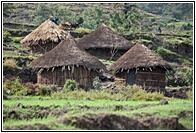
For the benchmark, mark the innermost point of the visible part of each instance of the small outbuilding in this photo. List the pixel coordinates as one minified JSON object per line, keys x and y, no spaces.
{"x":104,"y":43}
{"x":141,"y":66}
{"x":44,"y":38}
{"x":67,"y":61}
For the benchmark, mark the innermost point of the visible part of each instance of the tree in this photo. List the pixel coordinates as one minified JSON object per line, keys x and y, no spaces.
{"x":92,"y":17}
{"x":42,"y":13}
{"x":125,"y":16}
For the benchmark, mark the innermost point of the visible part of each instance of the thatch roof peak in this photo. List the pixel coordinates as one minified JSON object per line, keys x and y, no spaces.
{"x":104,"y":37}
{"x":67,"y":53}
{"x":139,"y":56}
{"x":46,"y":32}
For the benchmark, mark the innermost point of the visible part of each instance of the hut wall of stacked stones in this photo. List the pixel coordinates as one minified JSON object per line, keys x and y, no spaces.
{"x":59,"y":75}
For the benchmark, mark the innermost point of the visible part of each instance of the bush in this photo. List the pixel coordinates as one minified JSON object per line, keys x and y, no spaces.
{"x":70,"y":85}
{"x":147,"y":96}
{"x":181,"y":77}
{"x":33,"y":89}
{"x":14,"y":87}
{"x":137,"y":93}
{"x":46,"y":90}
{"x":10,"y":64}
{"x":97,"y":83}
{"x":6,"y":36}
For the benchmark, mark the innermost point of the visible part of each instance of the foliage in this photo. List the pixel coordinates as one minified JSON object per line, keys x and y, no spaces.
{"x":63,"y":14}
{"x":7,"y":9}
{"x":137,"y":93}
{"x":46,"y":90}
{"x":92,"y":17}
{"x":42,"y":13}
{"x":14,"y":87}
{"x":17,"y":39}
{"x":6,"y":36}
{"x":187,"y":27}
{"x":10,"y":64}
{"x":176,"y":10}
{"x":70,"y":85}
{"x":33,"y":89}
{"x":97,"y":83}
{"x":128,"y":93}
{"x":181,"y":76}
{"x":126,"y":19}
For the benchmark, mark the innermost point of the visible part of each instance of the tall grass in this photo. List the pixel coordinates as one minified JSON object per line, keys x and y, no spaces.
{"x":10,"y":64}
{"x":124,"y":93}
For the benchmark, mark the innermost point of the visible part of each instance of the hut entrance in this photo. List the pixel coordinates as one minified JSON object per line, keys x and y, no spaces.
{"x":131,"y":77}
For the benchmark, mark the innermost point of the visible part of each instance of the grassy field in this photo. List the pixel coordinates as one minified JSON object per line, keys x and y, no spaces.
{"x":32,"y":105}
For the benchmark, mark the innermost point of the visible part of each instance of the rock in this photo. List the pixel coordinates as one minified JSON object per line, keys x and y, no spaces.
{"x":186,"y":113}
{"x":107,"y":122}
{"x":170,"y":123}
{"x":88,"y":98}
{"x":168,"y":94}
{"x":118,"y":107}
{"x":180,"y":94}
{"x":163,"y":102}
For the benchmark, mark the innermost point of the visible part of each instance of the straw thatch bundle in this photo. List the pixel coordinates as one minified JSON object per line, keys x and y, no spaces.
{"x":137,"y":57}
{"x":103,"y":37}
{"x":46,"y":32}
{"x":67,"y":54}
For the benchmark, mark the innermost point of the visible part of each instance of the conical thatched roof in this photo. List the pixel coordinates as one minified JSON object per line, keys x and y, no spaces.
{"x":103,"y":37}
{"x":67,"y":53}
{"x":139,"y":56}
{"x":46,"y":32}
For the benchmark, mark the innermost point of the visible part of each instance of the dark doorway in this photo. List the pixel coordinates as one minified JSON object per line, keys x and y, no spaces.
{"x":131,"y":77}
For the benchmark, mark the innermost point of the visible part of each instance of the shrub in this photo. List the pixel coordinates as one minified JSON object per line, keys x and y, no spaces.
{"x":147,"y":96}
{"x":46,"y":90}
{"x":181,"y":77}
{"x":137,"y":93}
{"x":6,"y":36}
{"x":14,"y":87}
{"x":97,"y":83}
{"x":32,"y":88}
{"x":190,"y":94}
{"x":70,"y":85}
{"x":10,"y":64}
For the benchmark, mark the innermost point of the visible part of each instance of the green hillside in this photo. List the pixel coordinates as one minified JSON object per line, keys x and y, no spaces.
{"x":174,"y":42}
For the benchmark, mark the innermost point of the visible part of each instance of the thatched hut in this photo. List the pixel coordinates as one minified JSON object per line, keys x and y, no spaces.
{"x":104,"y":43}
{"x":67,"y":61}
{"x":141,"y":66}
{"x":44,"y":38}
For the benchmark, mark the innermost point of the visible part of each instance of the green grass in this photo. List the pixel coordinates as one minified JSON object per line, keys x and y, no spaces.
{"x":10,"y":53}
{"x":47,"y":101}
{"x":107,"y":61}
{"x":130,"y":108}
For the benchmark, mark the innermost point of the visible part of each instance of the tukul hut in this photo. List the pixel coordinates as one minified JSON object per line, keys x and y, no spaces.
{"x":44,"y":38}
{"x":104,"y":43}
{"x":141,"y":66}
{"x":67,"y":61}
